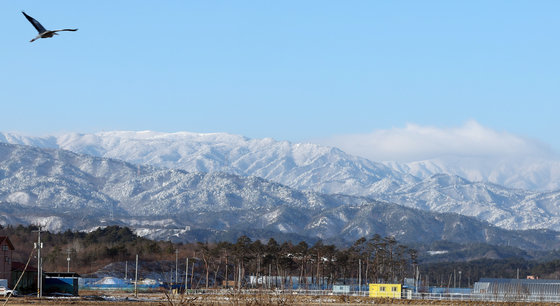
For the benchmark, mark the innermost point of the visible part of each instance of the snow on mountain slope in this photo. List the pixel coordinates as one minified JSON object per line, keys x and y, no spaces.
{"x":62,"y":179}
{"x":61,"y":189}
{"x":310,"y":167}
{"x":302,"y":166}
{"x":298,"y":165}
{"x":531,"y":173}
{"x":504,"y":207}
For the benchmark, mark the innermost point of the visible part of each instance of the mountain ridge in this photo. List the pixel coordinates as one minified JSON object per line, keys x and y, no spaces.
{"x":62,"y":189}
{"x":320,"y":169}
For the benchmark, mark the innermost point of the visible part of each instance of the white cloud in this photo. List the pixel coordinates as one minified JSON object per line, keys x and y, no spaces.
{"x":415,"y":143}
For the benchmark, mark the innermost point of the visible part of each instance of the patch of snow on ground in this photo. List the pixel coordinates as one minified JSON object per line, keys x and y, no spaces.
{"x":272,"y":216}
{"x":320,"y":222}
{"x":50,"y":223}
{"x":19,"y":197}
{"x":432,"y":253}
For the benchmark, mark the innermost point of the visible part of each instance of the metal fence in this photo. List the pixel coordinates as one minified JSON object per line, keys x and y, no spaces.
{"x":405,"y":295}
{"x":486,"y":297}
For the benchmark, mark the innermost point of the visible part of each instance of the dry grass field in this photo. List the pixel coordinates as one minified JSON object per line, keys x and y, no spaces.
{"x":126,"y":298}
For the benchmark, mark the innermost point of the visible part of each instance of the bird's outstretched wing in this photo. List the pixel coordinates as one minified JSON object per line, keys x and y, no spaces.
{"x":65,"y":30}
{"x":35,"y":23}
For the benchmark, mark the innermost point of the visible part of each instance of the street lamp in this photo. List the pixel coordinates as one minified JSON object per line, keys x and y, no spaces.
{"x":68,"y":260}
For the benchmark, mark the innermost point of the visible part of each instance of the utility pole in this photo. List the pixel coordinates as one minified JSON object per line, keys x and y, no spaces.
{"x":39,"y":246}
{"x":416,"y":279}
{"x":239,"y":278}
{"x":176,"y":266}
{"x":454,"y":279}
{"x":126,"y":269}
{"x":359,"y":276}
{"x":186,"y":275}
{"x":227,"y":275}
{"x":192,"y":275}
{"x":136,"y":278}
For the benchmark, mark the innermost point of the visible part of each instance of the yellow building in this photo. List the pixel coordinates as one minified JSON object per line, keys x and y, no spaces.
{"x":385,"y":290}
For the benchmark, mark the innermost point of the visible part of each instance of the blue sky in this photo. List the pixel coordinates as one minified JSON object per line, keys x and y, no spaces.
{"x":291,"y":70}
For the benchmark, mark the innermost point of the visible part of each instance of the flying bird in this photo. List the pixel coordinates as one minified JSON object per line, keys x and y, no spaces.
{"x":43,"y":33}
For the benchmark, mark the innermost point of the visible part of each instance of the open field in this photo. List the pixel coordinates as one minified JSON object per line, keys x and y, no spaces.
{"x":126,"y":298}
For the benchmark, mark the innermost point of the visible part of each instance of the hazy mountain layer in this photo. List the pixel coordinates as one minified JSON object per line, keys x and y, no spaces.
{"x":302,"y":166}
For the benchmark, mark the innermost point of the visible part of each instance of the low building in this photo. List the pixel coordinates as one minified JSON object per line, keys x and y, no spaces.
{"x":6,"y":249}
{"x":341,"y":289}
{"x":385,"y":291}
{"x":61,"y":282}
{"x":518,"y":289}
{"x":28,"y":282}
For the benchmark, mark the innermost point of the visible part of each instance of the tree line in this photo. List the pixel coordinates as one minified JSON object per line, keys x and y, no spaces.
{"x":377,"y":259}
{"x":465,"y":274}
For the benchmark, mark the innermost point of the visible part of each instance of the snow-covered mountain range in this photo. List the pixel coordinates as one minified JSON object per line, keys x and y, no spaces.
{"x":320,"y":169}
{"x":62,"y":189}
{"x":299,"y":165}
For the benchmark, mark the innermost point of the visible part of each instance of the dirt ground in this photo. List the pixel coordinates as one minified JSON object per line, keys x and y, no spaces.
{"x":161,"y":298}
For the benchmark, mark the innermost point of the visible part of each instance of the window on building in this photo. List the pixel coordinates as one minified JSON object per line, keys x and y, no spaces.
{"x":5,"y":248}
{"x":7,"y":259}
{"x":382,"y":289}
{"x":394,"y":289}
